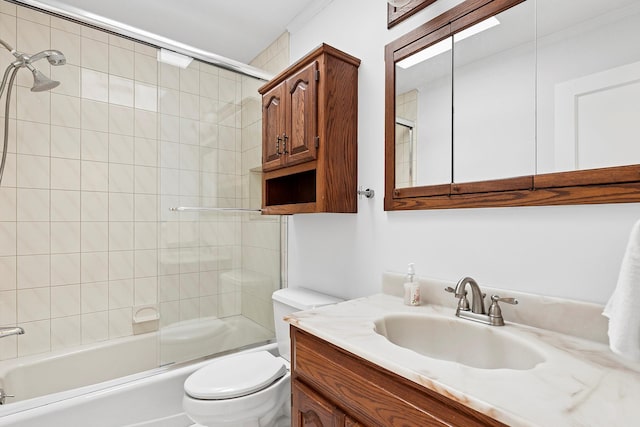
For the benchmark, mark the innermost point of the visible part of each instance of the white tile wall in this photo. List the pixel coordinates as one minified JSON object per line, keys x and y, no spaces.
{"x":406,"y":108}
{"x":93,"y":166}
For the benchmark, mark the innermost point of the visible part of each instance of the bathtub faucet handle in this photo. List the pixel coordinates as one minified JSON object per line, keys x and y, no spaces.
{"x":3,"y":396}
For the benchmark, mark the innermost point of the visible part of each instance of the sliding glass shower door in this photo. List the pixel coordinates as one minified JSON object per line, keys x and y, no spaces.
{"x":219,"y":258}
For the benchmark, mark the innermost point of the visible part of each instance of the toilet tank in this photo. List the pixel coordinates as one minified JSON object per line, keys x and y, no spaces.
{"x":290,"y":300}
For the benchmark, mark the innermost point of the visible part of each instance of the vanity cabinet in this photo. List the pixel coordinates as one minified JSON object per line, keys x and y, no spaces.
{"x":332,"y":387}
{"x":309,"y":135}
{"x":311,"y":409}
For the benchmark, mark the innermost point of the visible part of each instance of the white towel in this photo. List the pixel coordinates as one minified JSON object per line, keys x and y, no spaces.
{"x":623,"y":308}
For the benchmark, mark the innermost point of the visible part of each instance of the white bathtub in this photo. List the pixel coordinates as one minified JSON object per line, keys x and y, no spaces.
{"x":152,"y":399}
{"x":62,"y":380}
{"x":39,"y":375}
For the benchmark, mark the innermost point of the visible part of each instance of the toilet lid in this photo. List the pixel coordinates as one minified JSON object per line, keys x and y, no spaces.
{"x":235,"y":376}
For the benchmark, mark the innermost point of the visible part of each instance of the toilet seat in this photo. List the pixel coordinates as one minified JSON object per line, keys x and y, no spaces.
{"x":235,"y":376}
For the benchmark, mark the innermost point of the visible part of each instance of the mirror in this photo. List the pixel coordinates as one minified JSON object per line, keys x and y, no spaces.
{"x":494,"y":85}
{"x":588,"y":84}
{"x":515,"y":103}
{"x":423,"y":116}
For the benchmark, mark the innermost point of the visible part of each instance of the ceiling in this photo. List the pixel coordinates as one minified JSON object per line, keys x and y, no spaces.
{"x":238,"y":30}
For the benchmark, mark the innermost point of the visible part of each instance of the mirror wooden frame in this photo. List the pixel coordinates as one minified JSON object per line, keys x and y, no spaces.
{"x":620,"y":184}
{"x":396,"y":15}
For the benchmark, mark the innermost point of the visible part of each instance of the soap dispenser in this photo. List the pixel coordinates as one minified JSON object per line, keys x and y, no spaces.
{"x":411,"y":288}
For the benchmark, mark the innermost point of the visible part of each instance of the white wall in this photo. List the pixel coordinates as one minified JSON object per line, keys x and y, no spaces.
{"x":566,"y":251}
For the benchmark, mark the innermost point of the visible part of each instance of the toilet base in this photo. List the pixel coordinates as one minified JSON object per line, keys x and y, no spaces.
{"x":282,"y":421}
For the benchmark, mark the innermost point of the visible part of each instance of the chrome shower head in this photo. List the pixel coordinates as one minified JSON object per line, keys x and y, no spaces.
{"x":42,"y":82}
{"x":55,"y":57}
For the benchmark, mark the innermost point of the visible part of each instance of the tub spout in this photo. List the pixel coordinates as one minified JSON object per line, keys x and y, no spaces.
{"x":5,"y":332}
{"x":3,"y":396}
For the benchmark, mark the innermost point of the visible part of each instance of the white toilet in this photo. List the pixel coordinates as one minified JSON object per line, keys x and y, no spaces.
{"x":251,"y":389}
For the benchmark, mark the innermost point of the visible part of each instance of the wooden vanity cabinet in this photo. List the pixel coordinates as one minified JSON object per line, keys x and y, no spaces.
{"x":309,"y":135}
{"x":332,"y":387}
{"x":311,"y":409}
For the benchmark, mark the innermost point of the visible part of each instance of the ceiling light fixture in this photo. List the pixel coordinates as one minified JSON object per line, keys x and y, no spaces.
{"x":173,"y":58}
{"x":445,"y":45}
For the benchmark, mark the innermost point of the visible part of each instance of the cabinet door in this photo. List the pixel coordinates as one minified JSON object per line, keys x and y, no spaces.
{"x":302,"y":115}
{"x":309,"y":409}
{"x":273,"y":127}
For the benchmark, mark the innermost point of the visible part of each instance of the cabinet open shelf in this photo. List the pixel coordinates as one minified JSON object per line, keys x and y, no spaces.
{"x":290,"y":189}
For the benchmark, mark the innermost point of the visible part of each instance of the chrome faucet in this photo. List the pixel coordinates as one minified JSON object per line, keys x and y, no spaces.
{"x":3,"y":396}
{"x":477,"y":312}
{"x":8,"y":331}
{"x":477,"y":298}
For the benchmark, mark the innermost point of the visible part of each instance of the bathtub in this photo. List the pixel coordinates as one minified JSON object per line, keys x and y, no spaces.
{"x":40,"y":375}
{"x":118,"y":382}
{"x":151,"y":399}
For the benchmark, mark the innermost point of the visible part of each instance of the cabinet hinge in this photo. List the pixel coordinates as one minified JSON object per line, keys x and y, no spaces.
{"x":317,"y":75}
{"x":317,"y":141}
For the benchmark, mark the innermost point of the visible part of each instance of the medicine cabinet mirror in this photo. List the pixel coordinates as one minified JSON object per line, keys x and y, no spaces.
{"x":515,"y":103}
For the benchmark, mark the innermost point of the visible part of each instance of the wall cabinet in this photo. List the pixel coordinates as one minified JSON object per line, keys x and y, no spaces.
{"x":289,"y":120}
{"x":332,"y":387}
{"x":309,"y":135}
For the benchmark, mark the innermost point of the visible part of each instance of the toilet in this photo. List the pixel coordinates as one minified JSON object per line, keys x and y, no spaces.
{"x":251,"y":389}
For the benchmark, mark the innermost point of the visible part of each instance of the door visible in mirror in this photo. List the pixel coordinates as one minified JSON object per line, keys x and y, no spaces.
{"x":588,"y":100}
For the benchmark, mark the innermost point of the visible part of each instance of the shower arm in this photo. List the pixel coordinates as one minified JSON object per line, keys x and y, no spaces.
{"x":21,"y":57}
{"x":8,"y":47}
{"x":55,"y":57}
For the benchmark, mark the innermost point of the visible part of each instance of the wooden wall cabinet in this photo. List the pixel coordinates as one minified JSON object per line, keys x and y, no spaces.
{"x":332,"y":387}
{"x":309,"y":135}
{"x":289,"y":118}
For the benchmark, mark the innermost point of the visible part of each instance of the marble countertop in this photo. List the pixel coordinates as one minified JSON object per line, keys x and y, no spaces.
{"x":580,"y":383}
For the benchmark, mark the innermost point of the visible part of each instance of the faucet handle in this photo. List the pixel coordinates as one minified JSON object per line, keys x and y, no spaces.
{"x":495,"y":312}
{"x":496,"y":299}
{"x":463,"y":302}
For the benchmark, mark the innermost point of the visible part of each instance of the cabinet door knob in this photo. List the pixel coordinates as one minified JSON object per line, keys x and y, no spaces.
{"x":278,"y":141}
{"x":284,"y":143}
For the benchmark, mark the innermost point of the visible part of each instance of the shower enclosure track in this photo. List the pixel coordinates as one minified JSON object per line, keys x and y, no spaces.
{"x":110,"y":25}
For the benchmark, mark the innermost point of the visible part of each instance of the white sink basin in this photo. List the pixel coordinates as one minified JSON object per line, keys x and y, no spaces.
{"x":458,"y":340}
